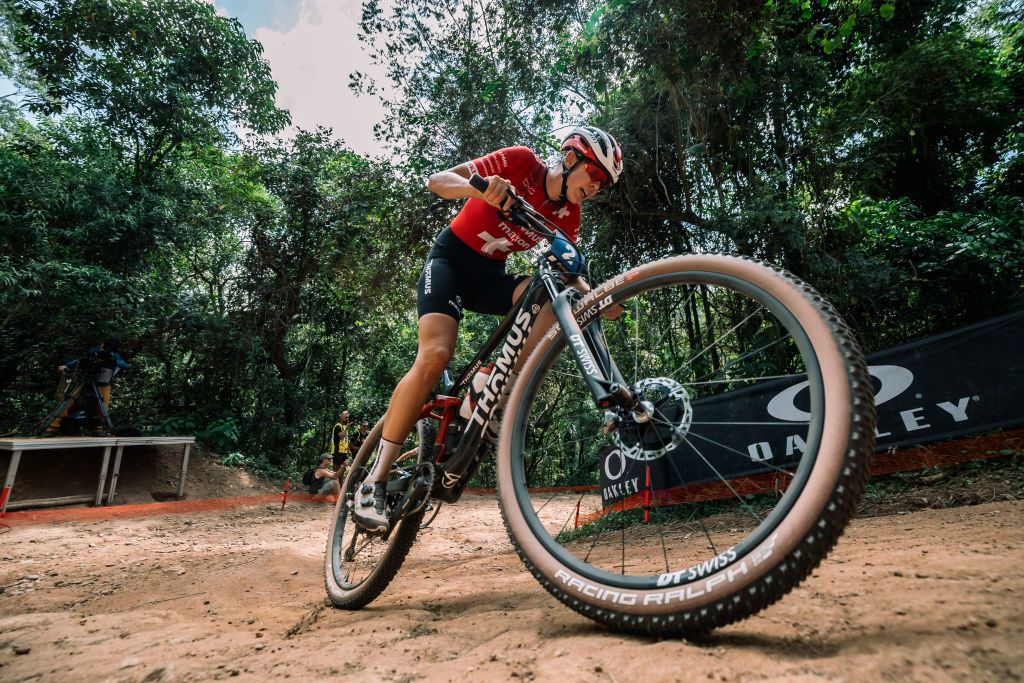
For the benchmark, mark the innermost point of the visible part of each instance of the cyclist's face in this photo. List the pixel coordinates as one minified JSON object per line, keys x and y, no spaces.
{"x":585,"y":181}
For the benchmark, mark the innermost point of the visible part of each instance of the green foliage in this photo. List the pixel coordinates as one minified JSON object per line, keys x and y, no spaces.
{"x":236,"y":460}
{"x":925,"y":262}
{"x":153,"y":75}
{"x":873,"y":148}
{"x":221,"y":435}
{"x":176,"y":425}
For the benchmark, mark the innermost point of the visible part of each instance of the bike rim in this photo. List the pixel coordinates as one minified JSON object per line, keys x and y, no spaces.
{"x":732,"y":545}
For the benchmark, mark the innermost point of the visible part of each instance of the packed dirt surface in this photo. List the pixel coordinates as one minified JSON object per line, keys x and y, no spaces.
{"x":931,"y":595}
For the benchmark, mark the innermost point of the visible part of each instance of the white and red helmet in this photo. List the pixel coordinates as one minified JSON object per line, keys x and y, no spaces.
{"x":597,"y":147}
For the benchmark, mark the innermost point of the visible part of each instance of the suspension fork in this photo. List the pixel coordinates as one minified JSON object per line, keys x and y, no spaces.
{"x":590,"y":351}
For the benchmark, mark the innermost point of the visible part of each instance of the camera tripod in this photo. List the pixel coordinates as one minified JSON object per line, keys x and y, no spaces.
{"x":85,"y":391}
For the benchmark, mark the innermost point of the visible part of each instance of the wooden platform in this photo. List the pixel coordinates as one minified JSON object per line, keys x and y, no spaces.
{"x":107,"y":443}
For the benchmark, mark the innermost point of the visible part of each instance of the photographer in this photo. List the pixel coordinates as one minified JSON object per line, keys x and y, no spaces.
{"x":99,"y":364}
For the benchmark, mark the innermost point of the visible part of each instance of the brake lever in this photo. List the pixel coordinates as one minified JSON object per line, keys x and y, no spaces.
{"x":520,"y":213}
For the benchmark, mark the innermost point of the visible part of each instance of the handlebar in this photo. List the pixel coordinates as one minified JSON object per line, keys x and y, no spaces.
{"x":520,"y":213}
{"x":479,"y":182}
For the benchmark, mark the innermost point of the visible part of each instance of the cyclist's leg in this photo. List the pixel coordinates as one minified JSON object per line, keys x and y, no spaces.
{"x":439,"y":304}
{"x":436,"y":344}
{"x":437,"y":332}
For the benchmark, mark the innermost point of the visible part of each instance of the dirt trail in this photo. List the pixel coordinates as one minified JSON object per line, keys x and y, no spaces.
{"x":933,"y":595}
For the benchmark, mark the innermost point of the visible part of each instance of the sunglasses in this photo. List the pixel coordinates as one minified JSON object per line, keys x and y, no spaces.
{"x":597,"y":174}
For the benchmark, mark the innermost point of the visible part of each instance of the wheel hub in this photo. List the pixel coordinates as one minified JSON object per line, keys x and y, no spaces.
{"x":659,"y":423}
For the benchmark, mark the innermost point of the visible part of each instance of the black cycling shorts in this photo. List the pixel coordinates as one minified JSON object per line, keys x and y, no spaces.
{"x":455,"y":277}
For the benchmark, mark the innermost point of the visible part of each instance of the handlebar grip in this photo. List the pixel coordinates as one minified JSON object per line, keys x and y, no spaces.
{"x":478,"y":182}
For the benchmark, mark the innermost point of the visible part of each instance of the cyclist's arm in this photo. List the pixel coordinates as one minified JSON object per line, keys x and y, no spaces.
{"x":454,"y":184}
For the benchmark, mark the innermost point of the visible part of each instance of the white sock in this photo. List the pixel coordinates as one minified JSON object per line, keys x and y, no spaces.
{"x":387,"y":453}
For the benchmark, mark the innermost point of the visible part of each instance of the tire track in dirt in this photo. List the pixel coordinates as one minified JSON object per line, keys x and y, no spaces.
{"x":933,"y":595}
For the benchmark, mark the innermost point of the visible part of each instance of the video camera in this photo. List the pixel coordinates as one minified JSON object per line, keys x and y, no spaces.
{"x":100,"y":362}
{"x":96,"y":358}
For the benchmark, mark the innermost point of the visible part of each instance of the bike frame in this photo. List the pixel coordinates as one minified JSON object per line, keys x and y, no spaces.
{"x":587,"y":347}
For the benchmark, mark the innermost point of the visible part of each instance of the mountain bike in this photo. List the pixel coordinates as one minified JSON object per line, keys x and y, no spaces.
{"x":693,"y":331}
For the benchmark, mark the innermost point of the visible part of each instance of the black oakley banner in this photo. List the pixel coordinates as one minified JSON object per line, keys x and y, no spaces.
{"x":967,"y":381}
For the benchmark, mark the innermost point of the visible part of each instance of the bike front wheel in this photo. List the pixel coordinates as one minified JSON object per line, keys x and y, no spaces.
{"x":680,"y":540}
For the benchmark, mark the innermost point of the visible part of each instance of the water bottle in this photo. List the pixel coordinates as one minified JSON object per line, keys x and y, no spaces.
{"x":475,"y":389}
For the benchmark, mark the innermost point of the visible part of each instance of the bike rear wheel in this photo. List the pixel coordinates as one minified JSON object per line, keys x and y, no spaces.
{"x":359,"y":565}
{"x":697,"y":332}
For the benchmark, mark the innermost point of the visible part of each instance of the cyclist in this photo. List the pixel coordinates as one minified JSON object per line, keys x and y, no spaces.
{"x":466,"y":269}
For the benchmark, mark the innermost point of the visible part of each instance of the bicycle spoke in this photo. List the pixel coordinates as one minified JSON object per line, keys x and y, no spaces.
{"x":565,"y":443}
{"x":744,"y":455}
{"x":623,"y":546}
{"x":732,"y":381}
{"x":636,"y":339}
{"x":546,"y":503}
{"x":601,"y":533}
{"x":685,"y":302}
{"x":571,"y":413}
{"x":661,"y":530}
{"x":712,"y":344}
{"x":724,"y":481}
{"x":707,"y":533}
{"x":564,"y":373}
{"x":739,"y":359}
{"x":773,"y":423}
{"x":571,"y":510}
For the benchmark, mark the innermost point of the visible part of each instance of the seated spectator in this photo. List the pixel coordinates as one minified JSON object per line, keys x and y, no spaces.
{"x":324,"y":485}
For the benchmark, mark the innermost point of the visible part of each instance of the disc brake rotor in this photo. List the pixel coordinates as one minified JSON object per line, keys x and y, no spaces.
{"x":653,"y":433}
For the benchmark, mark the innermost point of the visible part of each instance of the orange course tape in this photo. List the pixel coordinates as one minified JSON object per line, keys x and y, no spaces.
{"x":29,"y":517}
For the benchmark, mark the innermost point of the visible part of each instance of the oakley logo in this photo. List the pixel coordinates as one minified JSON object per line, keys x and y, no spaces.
{"x":895,"y":380}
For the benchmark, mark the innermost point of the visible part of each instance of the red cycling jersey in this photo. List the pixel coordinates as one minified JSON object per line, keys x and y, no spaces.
{"x":480,"y":227}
